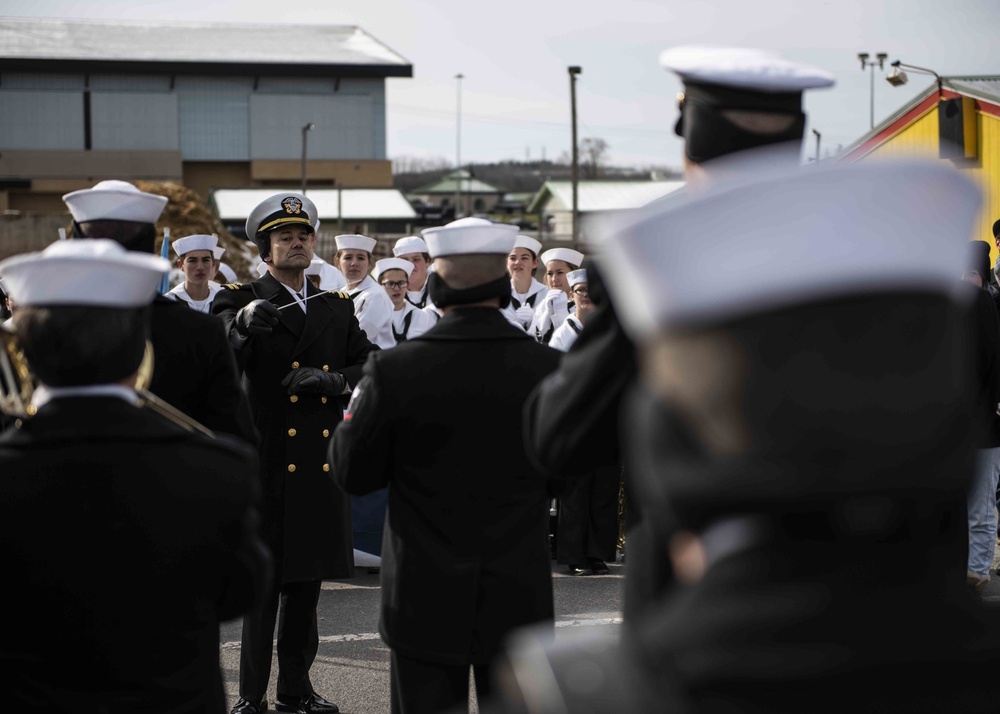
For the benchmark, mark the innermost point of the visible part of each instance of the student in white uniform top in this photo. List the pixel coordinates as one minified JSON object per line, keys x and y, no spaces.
{"x":555,"y":306}
{"x":393,"y":274}
{"x":566,"y":334}
{"x":372,"y":306}
{"x":526,"y":292}
{"x":196,"y":259}
{"x":413,"y":249}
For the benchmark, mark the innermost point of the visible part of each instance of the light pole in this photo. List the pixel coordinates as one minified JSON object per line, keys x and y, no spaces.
{"x":307,"y":128}
{"x":817,"y":144}
{"x":458,"y":140}
{"x":879,"y":60}
{"x":573,"y":72}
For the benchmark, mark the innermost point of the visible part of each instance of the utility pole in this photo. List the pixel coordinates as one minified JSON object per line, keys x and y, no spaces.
{"x":458,"y":142}
{"x":573,"y":72}
{"x":307,"y":128}
{"x":880,"y":59}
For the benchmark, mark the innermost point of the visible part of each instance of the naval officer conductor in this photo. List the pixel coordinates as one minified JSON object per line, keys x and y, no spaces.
{"x":119,"y":572}
{"x":465,"y":556}
{"x":299,"y":349}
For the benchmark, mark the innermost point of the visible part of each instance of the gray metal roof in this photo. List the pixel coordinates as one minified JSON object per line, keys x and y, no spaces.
{"x":984,"y":88}
{"x":25,"y":42}
{"x":600,"y":195}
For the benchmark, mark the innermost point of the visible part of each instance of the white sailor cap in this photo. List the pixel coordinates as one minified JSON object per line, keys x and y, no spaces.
{"x":409,"y":244}
{"x":353,"y":241}
{"x":392,"y":264}
{"x":228,"y":273}
{"x":279,"y":210}
{"x":811,"y":234}
{"x":219,"y":251}
{"x":523,"y":241}
{"x":199,"y":241}
{"x":576,"y":277}
{"x":114,"y":201}
{"x":97,"y":272}
{"x":470,"y":236}
{"x":753,"y":69}
{"x":262,"y":269}
{"x":567,"y":255}
{"x":315,"y":267}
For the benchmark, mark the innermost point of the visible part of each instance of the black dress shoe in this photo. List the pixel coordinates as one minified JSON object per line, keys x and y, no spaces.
{"x":313,"y":704}
{"x":599,"y":567}
{"x":244,"y":706}
{"x":579,"y":569}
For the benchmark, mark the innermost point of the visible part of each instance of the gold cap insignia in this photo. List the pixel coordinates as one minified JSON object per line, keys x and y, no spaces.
{"x":292,"y":205}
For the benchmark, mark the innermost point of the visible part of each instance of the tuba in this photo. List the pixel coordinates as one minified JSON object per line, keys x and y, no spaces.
{"x":17,"y":385}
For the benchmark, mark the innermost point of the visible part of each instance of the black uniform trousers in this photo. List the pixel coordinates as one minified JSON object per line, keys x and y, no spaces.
{"x":588,"y":516}
{"x":298,"y":641}
{"x":432,"y":687}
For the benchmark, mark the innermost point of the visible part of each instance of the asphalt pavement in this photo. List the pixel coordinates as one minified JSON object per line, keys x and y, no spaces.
{"x":352,"y":666}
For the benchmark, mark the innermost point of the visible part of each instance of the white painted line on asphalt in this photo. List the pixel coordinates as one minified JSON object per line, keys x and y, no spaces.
{"x":572,"y":621}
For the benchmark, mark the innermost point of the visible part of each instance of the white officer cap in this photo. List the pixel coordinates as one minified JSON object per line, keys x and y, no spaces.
{"x":186,"y":244}
{"x":97,"y":272}
{"x":567,"y":255}
{"x":811,"y":234}
{"x":219,"y":251}
{"x":470,"y":236}
{"x":392,"y":264}
{"x":576,"y":277}
{"x":353,"y":241}
{"x":409,"y":244}
{"x":754,"y":69}
{"x":227,"y":272}
{"x":279,"y":210}
{"x":114,"y":201}
{"x":523,"y":241}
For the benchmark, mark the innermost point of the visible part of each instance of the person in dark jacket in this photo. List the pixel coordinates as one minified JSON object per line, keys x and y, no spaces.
{"x":735,"y":102}
{"x":193,"y":366}
{"x":127,"y":534}
{"x":805,"y":437}
{"x":299,"y":348}
{"x":465,"y":558}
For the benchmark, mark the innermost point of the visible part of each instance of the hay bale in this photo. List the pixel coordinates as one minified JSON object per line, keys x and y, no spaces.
{"x":187,"y":213}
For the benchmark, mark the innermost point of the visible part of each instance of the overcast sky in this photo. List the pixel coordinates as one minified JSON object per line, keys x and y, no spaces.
{"x":514,"y":55}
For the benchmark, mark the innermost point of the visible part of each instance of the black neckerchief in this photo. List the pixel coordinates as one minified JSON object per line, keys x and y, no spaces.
{"x":529,"y":301}
{"x":422,"y":302}
{"x":401,"y":336}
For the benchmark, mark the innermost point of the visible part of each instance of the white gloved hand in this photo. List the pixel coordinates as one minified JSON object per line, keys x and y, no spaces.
{"x":556,"y":307}
{"x":524,"y":315}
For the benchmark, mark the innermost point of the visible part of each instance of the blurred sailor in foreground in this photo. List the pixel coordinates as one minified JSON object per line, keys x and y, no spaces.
{"x":465,"y":558}
{"x":734,"y":100}
{"x":805,"y":436}
{"x":299,"y":349}
{"x":196,"y":260}
{"x":121,"y":572}
{"x":194,"y":368}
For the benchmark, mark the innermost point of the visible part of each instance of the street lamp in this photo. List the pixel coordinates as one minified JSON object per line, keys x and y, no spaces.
{"x":880,"y":59}
{"x":458,"y":140}
{"x":897,"y":77}
{"x":307,"y":128}
{"x":816,"y":133}
{"x":573,"y":72}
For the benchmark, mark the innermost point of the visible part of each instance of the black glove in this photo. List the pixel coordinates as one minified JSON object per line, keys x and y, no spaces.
{"x":256,"y":318}
{"x":309,"y":380}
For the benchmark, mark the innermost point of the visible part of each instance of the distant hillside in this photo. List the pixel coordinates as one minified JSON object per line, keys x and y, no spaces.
{"x":523,"y":177}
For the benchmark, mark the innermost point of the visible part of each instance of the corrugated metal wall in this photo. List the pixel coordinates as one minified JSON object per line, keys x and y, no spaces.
{"x":133,"y":120}
{"x":344,"y":126}
{"x":206,"y":118}
{"x":44,"y":121}
{"x":215,"y":118}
